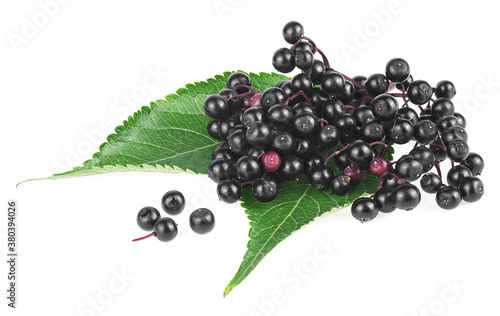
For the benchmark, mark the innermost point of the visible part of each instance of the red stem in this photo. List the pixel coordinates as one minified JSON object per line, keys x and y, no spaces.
{"x":145,"y":237}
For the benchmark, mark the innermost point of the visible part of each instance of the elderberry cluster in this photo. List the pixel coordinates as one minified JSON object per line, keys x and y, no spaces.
{"x":299,"y":125}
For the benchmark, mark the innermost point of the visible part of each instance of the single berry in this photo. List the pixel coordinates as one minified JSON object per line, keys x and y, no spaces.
{"x":303,"y":148}
{"x":304,"y":125}
{"x":383,"y":198}
{"x":272,"y":96}
{"x":202,"y":221}
{"x":442,"y":107}
{"x":279,"y":116}
{"x":304,"y":59}
{"x":165,"y":229}
{"x":475,"y":163}
{"x":213,"y":129}
{"x":292,"y":31}
{"x":457,"y":174}
{"x":331,"y":109}
{"x":446,"y":122}
{"x":283,"y":143}
{"x":363,"y":114}
{"x":147,"y":218}
{"x":255,"y":114}
{"x":401,"y":131}
{"x":301,"y":82}
{"x":457,"y":150}
{"x":409,"y":168}
{"x":173,"y":202}
{"x":327,"y":137}
{"x":379,"y":167}
{"x":445,"y":89}
{"x":397,"y":70}
{"x":385,"y":107}
{"x":259,"y":134}
{"x":340,"y":185}
{"x":345,"y":123}
{"x":320,"y":177}
{"x":373,"y":131}
{"x":425,"y":132}
{"x":359,"y":152}
{"x":419,"y":92}
{"x":283,"y":60}
{"x":229,"y":191}
{"x":248,"y":168}
{"x":333,"y":83}
{"x":377,"y":84}
{"x":355,"y":173}
{"x":317,"y":71}
{"x":237,"y":143}
{"x":406,"y":196}
{"x":237,"y":79}
{"x":223,"y":153}
{"x":471,"y":189}
{"x":265,"y":189}
{"x":271,"y":161}
{"x":364,"y":209}
{"x":448,"y":197}
{"x":431,"y":183}
{"x":221,"y":169}
{"x":216,"y":106}
{"x":291,"y":168}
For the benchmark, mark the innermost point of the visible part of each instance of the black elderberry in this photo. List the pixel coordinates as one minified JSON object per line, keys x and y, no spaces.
{"x":265,"y":189}
{"x":431,"y":183}
{"x":448,"y":197}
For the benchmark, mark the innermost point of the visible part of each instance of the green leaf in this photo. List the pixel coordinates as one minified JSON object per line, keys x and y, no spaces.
{"x":168,"y":136}
{"x":297,"y":204}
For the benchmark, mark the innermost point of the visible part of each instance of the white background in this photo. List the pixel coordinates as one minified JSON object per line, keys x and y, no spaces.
{"x":72,"y":74}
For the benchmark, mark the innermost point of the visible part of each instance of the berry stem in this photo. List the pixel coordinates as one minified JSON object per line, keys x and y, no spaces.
{"x":145,"y":237}
{"x":360,"y":101}
{"x":241,"y":95}
{"x":378,"y":143}
{"x":349,"y":107}
{"x":244,"y":86}
{"x":384,"y":150}
{"x":296,"y":95}
{"x":396,"y":176}
{"x":452,"y":163}
{"x":334,"y":154}
{"x":438,"y":145}
{"x":438,"y":169}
